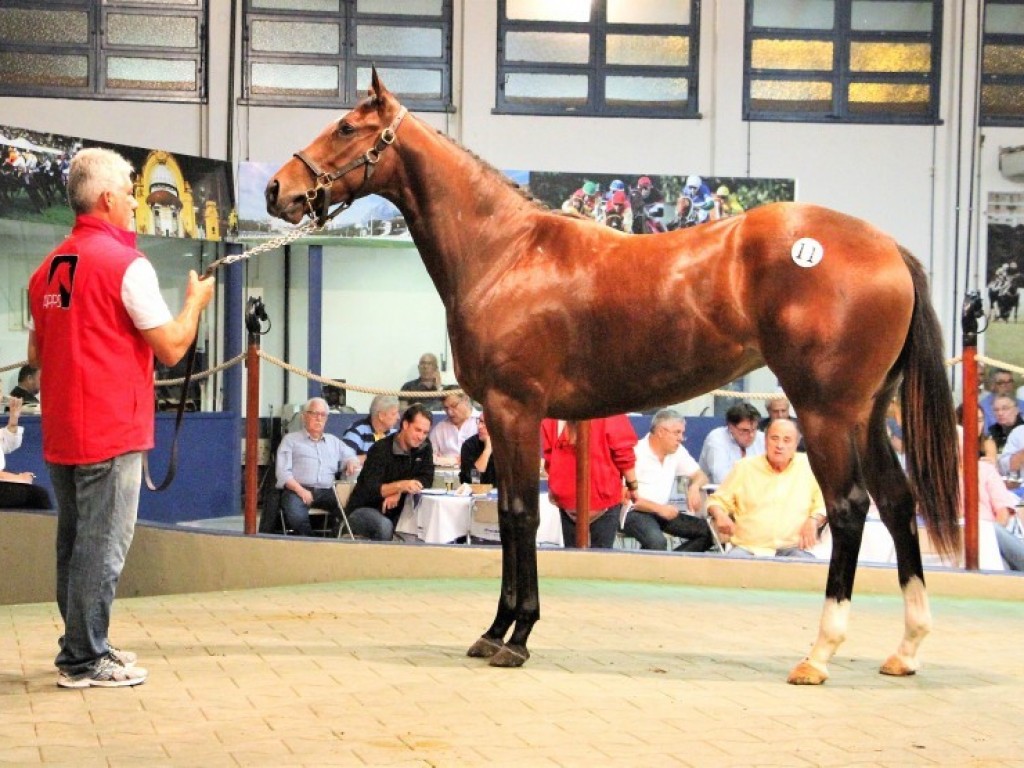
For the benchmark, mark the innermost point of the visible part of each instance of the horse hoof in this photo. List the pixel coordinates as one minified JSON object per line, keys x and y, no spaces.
{"x":484,"y":648}
{"x":897,"y":667}
{"x":806,"y":673}
{"x":510,"y":657}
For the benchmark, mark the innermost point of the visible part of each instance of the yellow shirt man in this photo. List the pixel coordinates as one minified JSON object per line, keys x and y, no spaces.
{"x":771,"y":505}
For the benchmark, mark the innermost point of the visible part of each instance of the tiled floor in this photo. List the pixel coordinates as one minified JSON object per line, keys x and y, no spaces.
{"x":374,"y":673}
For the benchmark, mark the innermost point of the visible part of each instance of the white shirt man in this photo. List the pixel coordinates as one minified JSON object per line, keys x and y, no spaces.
{"x":448,"y":435}
{"x":660,"y":460}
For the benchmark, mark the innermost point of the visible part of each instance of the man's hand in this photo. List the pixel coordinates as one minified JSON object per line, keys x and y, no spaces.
{"x":412,"y":486}
{"x":725,"y":524}
{"x":199,"y":290}
{"x":390,"y":502}
{"x":809,"y":533}
{"x":352,"y":466}
{"x":694,"y":498}
{"x":305,"y":495}
{"x":14,"y":406}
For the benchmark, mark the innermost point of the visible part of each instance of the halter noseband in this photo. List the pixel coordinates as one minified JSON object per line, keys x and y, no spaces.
{"x":318,"y":199}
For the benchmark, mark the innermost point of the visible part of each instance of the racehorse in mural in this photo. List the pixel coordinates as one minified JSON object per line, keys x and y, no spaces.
{"x":552,"y":315}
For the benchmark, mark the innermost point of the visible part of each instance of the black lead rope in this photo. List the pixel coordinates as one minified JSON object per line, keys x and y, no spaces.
{"x":172,"y":468}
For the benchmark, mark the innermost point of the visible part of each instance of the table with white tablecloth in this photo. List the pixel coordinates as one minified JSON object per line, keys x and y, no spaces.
{"x":441,"y":518}
{"x":877,"y":545}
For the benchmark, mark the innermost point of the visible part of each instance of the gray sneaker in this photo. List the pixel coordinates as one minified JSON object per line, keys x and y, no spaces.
{"x":108,"y":673}
{"x":124,"y":658}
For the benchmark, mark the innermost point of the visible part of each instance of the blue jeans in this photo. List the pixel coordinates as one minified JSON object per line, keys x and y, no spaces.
{"x":602,"y":529}
{"x":370,"y":523}
{"x":1010,"y":547}
{"x":784,"y":552}
{"x":97,"y":505}
{"x":296,"y":514}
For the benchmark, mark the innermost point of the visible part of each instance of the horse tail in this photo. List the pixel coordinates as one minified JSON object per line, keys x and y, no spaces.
{"x":929,"y":424}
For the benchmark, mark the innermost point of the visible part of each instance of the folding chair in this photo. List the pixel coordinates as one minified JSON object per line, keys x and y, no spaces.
{"x":319,"y":521}
{"x":483,"y":523}
{"x":342,"y":491}
{"x":706,"y":491}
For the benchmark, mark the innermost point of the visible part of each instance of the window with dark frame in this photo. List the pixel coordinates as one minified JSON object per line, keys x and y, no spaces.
{"x":603,"y":58}
{"x":852,"y":61}
{"x":1002,"y":64}
{"x":104,"y":49}
{"x":318,"y":53}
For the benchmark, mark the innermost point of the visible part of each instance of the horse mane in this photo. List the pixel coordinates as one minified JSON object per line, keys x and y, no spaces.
{"x":496,"y":174}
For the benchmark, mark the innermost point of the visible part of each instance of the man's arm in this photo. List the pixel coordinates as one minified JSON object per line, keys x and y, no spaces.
{"x":33,"y":350}
{"x":171,"y":341}
{"x":285,"y":478}
{"x":693,"y":493}
{"x":1012,"y":457}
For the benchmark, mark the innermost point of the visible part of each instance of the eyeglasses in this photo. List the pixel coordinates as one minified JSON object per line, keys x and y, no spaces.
{"x":1004,"y":381}
{"x":744,"y":430}
{"x":317,"y":414}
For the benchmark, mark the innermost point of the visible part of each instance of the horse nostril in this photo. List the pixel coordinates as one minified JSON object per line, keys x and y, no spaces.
{"x":271,"y":192}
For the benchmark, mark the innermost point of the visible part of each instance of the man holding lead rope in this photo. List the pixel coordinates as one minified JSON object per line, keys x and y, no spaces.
{"x":97,"y":320}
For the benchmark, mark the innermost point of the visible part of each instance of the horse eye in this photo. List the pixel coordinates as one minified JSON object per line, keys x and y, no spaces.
{"x":346,"y":129}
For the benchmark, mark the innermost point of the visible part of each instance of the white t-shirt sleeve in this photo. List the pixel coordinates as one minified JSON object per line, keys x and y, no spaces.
{"x":686,"y":465}
{"x":140,"y":292}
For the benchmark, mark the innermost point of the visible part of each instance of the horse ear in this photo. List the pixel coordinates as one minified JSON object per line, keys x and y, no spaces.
{"x":377,"y":89}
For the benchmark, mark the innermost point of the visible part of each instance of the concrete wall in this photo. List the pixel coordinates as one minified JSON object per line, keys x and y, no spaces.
{"x":168,"y":561}
{"x":925,"y":184}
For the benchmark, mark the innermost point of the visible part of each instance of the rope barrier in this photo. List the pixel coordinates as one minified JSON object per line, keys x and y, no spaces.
{"x":953,"y":361}
{"x":202,"y":374}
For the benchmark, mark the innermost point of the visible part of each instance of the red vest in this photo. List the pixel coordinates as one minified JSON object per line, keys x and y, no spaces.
{"x":97,"y":370}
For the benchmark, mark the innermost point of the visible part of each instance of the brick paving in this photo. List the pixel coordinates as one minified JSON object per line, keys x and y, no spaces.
{"x":632,"y":674}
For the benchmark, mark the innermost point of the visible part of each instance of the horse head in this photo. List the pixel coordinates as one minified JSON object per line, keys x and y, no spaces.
{"x":340,"y":164}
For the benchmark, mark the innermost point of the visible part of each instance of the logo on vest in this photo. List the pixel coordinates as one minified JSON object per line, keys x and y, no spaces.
{"x":60,"y":280}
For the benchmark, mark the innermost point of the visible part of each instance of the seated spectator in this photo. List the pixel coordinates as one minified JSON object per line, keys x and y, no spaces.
{"x":28,"y":386}
{"x":377,"y":425}
{"x":779,"y":407}
{"x":660,"y":460}
{"x":1011,"y":458}
{"x":399,"y":464}
{"x":770,"y":505}
{"x":335,"y":399}
{"x":458,"y":425}
{"x":429,"y":380}
{"x":308,"y":461}
{"x":1000,"y":382}
{"x":998,"y":505}
{"x":611,"y":460}
{"x":1007,"y":416}
{"x":476,"y":464}
{"x":724,"y":446}
{"x":16,"y":488}
{"x":986,"y":444}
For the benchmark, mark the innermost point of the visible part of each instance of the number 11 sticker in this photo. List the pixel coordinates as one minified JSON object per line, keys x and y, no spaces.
{"x":807,"y":252}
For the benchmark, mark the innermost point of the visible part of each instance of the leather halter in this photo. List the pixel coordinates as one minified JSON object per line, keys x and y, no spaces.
{"x":318,"y":200}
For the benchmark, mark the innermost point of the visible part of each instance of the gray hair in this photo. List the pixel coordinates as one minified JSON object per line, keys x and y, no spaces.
{"x":382,"y":403}
{"x":664,"y":416}
{"x":94,"y":171}
{"x":315,"y":401}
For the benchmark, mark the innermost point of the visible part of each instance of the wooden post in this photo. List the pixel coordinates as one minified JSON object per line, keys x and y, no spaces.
{"x":583,"y":484}
{"x":252,"y":431}
{"x":970,"y":457}
{"x":972,"y":310}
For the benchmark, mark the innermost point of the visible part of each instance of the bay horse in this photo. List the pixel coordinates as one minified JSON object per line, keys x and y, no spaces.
{"x":553,"y":315}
